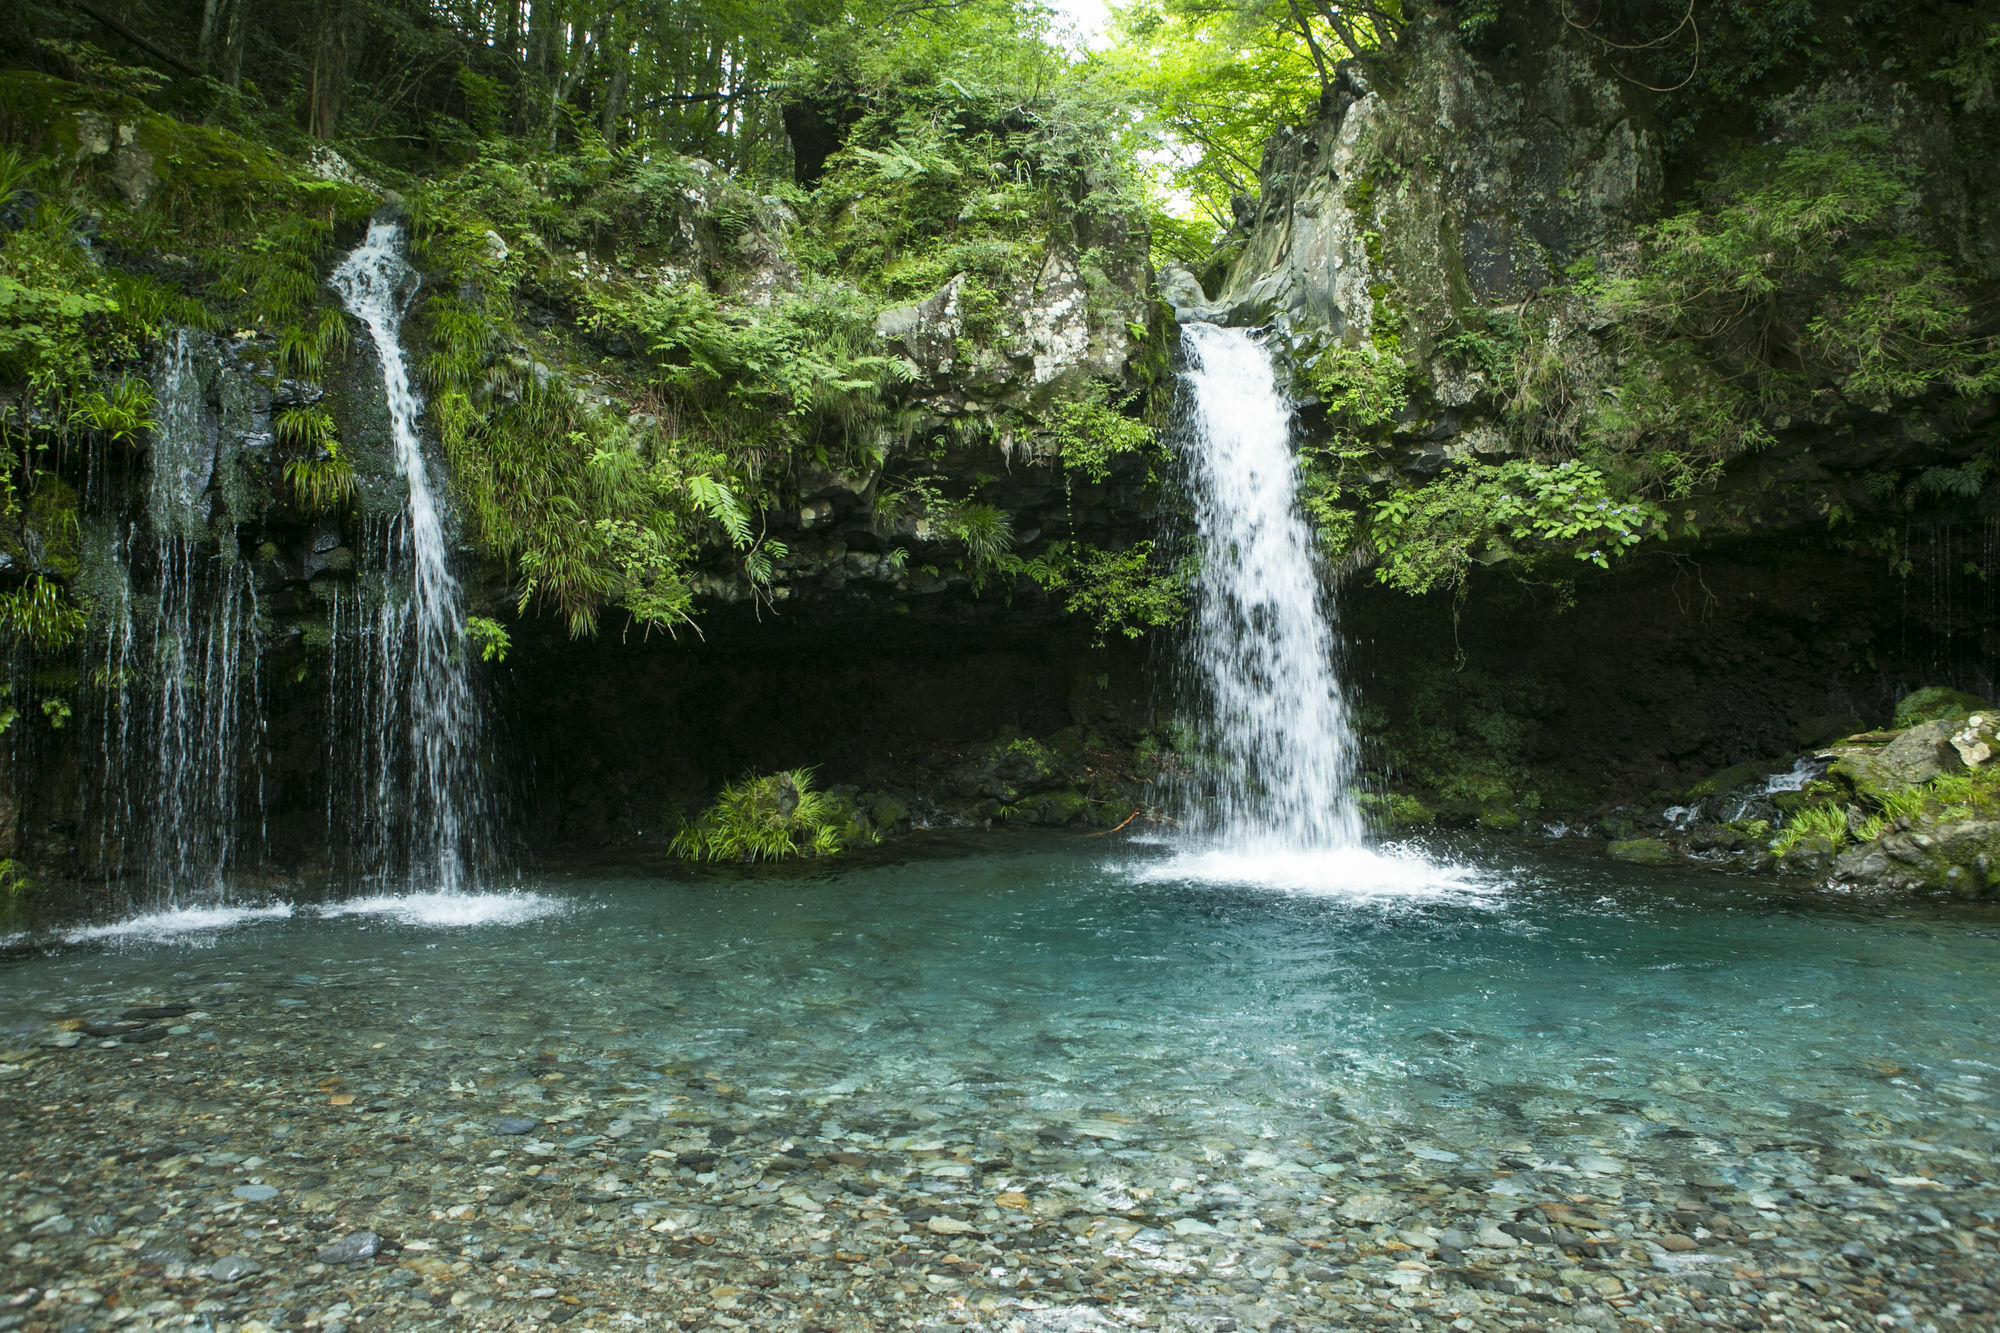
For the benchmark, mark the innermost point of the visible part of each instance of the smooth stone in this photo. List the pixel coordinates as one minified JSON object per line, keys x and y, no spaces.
{"x":1369,"y":1208}
{"x":514,"y":1124}
{"x":351,"y":1248}
{"x":255,"y":1193}
{"x":233,"y":1268}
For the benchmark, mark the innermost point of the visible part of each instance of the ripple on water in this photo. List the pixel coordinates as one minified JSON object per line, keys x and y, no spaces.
{"x":1348,"y":872}
{"x":176,"y":924}
{"x":452,"y":909}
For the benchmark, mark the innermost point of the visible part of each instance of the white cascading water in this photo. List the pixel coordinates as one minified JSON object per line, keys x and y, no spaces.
{"x":376,"y":283}
{"x":1272,"y":756}
{"x":181,"y":665}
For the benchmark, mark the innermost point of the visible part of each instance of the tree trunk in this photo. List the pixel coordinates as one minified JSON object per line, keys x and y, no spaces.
{"x":229,"y":67}
{"x":214,"y":21}
{"x":611,"y":121}
{"x":329,"y":70}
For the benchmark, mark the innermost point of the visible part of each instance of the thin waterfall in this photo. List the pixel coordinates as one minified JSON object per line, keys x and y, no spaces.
{"x":419,"y":668}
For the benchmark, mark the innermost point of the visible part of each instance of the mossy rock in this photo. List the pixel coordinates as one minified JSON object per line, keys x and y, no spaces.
{"x":1640,"y":852}
{"x":1817,"y":792}
{"x":1048,"y":810}
{"x":888,"y":814}
{"x":1934,"y":703}
{"x":1729,"y":779}
{"x":1394,"y":812}
{"x":1501,"y":821}
{"x":1911,"y":759}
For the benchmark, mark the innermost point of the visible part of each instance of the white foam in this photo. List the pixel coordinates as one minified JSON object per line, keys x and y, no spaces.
{"x":177,"y":923}
{"x":1342,"y":872}
{"x":452,"y":909}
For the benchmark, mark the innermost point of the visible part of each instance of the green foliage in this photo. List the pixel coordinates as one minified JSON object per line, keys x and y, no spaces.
{"x":1090,"y":434}
{"x":1129,"y":592}
{"x":322,"y":479}
{"x":1428,"y":537}
{"x":771,"y":818}
{"x":1827,"y":823}
{"x":1215,"y":81}
{"x":1972,"y":71}
{"x":120,"y":413}
{"x":1363,"y":387}
{"x":38,"y":614}
{"x":490,"y":636}
{"x":986,"y":533}
{"x":15,"y":882}
{"x":1795,"y":273}
{"x":321,"y":485}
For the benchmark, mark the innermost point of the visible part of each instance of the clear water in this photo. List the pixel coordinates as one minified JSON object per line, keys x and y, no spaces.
{"x":1590,"y":1019}
{"x":419,"y":658}
{"x":1268,"y":720}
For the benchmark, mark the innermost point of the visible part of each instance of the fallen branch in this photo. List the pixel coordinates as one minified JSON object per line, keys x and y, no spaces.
{"x":144,"y":44}
{"x":1105,"y":833}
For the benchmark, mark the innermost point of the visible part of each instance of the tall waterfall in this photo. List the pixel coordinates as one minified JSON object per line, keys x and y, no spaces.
{"x":1276,"y":744}
{"x":1272,"y":756}
{"x":415,"y":652}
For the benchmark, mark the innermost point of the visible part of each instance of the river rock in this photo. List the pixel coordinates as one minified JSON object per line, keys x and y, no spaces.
{"x":351,"y":1248}
{"x":1912,"y":758}
{"x":233,"y":1268}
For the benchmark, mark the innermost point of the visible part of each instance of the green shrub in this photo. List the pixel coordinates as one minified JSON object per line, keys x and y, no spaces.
{"x":38,"y":614}
{"x":1429,"y":536}
{"x":770,"y":818}
{"x":1089,"y":433}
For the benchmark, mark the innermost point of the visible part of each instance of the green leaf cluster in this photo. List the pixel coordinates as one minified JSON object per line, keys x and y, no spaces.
{"x":771,"y":818}
{"x":1428,"y":537}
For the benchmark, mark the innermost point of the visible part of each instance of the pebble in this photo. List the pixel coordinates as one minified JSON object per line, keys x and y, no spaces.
{"x":255,"y":1193}
{"x":234,"y":1268}
{"x":351,"y":1248}
{"x":515,"y":1124}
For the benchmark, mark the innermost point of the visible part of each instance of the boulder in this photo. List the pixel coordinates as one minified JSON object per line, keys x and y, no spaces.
{"x":1935,"y":703}
{"x":1640,"y":852}
{"x":1977,"y":740}
{"x":1912,"y":758}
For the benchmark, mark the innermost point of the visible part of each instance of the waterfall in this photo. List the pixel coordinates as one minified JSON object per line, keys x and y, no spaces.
{"x":413,"y":652}
{"x":180,"y":664}
{"x":1271,"y":754}
{"x":1260,"y":655}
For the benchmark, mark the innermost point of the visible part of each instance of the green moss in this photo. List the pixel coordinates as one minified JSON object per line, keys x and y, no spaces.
{"x":1640,"y":852}
{"x":1934,"y":702}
